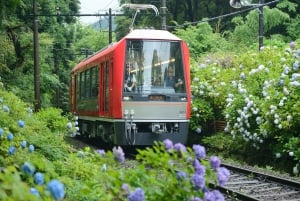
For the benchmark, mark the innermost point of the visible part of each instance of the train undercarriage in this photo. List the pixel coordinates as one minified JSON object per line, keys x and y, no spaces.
{"x":137,"y":132}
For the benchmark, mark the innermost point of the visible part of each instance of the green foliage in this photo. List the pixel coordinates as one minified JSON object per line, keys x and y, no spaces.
{"x":293,"y":28}
{"x":201,"y":39}
{"x":258,"y":96}
{"x":223,"y":143}
{"x":246,"y":31}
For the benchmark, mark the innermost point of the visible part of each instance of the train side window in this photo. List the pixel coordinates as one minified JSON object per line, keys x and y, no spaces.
{"x":81,"y":85}
{"x":95,"y":84}
{"x":78,"y":85}
{"x":87,"y":84}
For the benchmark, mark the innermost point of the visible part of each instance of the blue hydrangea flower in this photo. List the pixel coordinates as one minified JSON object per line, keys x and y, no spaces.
{"x":35,"y":192}
{"x":181,"y":175}
{"x":104,"y":167}
{"x":11,"y":150}
{"x":56,"y":188}
{"x":223,"y":175}
{"x":199,"y":169}
{"x":168,"y":144}
{"x":199,"y":151}
{"x":198,"y":181}
{"x":23,"y":144}
{"x":10,"y":136}
{"x":39,"y":178}
{"x":69,"y":125}
{"x":215,"y":162}
{"x":6,"y":108}
{"x":21,"y":123}
{"x":213,"y":196}
{"x":1,"y":132}
{"x":28,"y":169}
{"x":198,"y":130}
{"x":119,"y":154}
{"x":31,"y":148}
{"x":137,"y":195}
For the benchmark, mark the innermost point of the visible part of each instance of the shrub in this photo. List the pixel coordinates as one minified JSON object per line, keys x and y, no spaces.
{"x":258,"y":96}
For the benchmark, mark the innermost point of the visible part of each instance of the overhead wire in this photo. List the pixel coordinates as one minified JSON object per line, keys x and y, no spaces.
{"x":222,"y":16}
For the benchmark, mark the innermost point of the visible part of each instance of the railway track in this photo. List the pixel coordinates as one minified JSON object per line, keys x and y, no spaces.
{"x":249,"y":185}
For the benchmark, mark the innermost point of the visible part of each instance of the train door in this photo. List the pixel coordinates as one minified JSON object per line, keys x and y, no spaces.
{"x":105,"y":76}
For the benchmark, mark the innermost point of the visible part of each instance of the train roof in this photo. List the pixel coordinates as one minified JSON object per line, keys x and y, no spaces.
{"x":151,"y":34}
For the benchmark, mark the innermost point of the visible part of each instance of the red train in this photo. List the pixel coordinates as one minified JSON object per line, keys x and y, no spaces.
{"x":135,"y":91}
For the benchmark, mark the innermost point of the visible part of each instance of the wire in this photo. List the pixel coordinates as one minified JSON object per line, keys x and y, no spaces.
{"x":222,"y":16}
{"x":108,"y":4}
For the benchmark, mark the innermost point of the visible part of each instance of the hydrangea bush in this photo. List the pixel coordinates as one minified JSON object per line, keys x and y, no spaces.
{"x":36,"y":163}
{"x":258,"y":97}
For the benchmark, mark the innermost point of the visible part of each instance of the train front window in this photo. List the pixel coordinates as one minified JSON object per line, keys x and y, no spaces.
{"x":154,"y":67}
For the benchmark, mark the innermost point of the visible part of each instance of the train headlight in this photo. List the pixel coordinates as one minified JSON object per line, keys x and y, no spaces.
{"x":131,"y":112}
{"x":183,"y":98}
{"x":127,"y":98}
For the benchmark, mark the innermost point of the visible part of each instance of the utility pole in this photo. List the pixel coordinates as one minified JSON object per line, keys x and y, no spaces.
{"x":37,"y":93}
{"x":261,"y":25}
{"x":109,"y":27}
{"x":163,"y":13}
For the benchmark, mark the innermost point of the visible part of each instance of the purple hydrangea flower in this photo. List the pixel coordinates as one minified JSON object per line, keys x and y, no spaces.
{"x":195,"y":199}
{"x":199,"y":169}
{"x":56,"y":188}
{"x":21,"y":123}
{"x":10,"y":136}
{"x":28,"y":169}
{"x":199,"y":151}
{"x":223,"y":175}
{"x":35,"y":192}
{"x":215,"y":162}
{"x":39,"y":178}
{"x":180,"y":148}
{"x":137,"y":195}
{"x":292,"y":44}
{"x":23,"y":144}
{"x":181,"y":175}
{"x":198,"y":181}
{"x":31,"y":148}
{"x":119,"y":154}
{"x":125,"y":187}
{"x":213,"y":196}
{"x":11,"y":150}
{"x":168,"y":144}
{"x":101,"y":152}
